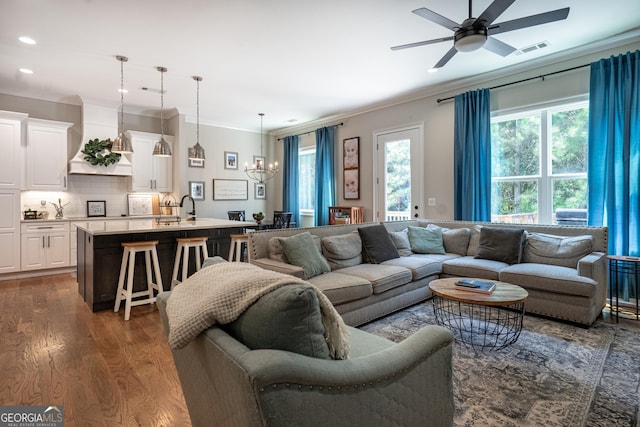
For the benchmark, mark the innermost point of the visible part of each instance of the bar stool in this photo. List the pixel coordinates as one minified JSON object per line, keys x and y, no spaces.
{"x":237,"y":240}
{"x":127,"y":294}
{"x":184,"y":245}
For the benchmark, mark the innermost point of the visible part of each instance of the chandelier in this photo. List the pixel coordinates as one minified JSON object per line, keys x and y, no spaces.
{"x":197,"y":152}
{"x":122,"y":144}
{"x":162,"y":147}
{"x":260,"y":171}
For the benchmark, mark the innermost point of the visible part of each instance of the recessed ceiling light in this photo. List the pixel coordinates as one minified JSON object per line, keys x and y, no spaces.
{"x":123,"y":90}
{"x":291,"y":120}
{"x":26,"y":71}
{"x":27,"y":40}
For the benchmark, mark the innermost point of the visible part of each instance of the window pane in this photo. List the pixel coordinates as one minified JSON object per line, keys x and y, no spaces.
{"x":514,"y":201}
{"x":398,"y":185}
{"x":569,"y":130}
{"x":307,"y":177}
{"x":515,"y":147}
{"x":570,"y":193}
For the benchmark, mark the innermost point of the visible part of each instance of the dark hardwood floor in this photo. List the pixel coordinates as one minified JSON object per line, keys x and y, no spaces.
{"x":103,"y":370}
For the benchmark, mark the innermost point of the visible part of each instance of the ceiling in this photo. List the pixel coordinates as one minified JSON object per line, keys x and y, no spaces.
{"x":296,"y":61}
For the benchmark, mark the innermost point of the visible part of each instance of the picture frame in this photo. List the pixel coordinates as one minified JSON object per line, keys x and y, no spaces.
{"x":231,"y":160}
{"x":351,"y":184}
{"x":230,"y":189}
{"x":196,"y":190}
{"x":96,"y":208}
{"x":260,"y":191}
{"x":259,"y":161}
{"x":196,"y":163}
{"x":351,"y":153}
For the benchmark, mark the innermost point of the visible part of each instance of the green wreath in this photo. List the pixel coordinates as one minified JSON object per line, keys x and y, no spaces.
{"x":97,"y":152}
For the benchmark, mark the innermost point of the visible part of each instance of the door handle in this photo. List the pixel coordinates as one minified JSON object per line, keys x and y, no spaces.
{"x":48,"y":241}
{"x":43,"y":241}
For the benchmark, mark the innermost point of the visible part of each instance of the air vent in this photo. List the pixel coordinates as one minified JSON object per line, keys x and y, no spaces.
{"x":151,"y":89}
{"x":532,"y":48}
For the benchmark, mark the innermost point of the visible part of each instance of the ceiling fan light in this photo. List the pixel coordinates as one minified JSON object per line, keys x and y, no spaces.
{"x":470,"y":42}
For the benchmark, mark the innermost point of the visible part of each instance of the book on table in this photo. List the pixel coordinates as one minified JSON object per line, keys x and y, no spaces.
{"x":475,"y":285}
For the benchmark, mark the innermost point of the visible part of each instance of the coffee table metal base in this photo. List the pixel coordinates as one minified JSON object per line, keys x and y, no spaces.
{"x":480,"y":327}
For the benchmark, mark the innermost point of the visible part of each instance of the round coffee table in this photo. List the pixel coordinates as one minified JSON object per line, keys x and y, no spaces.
{"x":480,"y":321}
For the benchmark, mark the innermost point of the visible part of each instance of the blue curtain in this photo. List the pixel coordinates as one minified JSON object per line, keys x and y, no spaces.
{"x":325,"y":178}
{"x":472,"y":156}
{"x":614,"y":152}
{"x":290,"y":178}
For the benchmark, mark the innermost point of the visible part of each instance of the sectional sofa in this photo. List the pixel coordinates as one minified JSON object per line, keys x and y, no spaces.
{"x":563,"y":268}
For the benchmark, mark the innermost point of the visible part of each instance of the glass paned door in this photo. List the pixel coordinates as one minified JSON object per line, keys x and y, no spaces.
{"x":398,"y":177}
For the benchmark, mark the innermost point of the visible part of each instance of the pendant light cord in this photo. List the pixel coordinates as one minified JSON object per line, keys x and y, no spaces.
{"x":198,"y":111}
{"x":161,"y":103}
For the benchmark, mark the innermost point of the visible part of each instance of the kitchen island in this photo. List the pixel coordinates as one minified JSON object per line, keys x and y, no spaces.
{"x":100,"y":251}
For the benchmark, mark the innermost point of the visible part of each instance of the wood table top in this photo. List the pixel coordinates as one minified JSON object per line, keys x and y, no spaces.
{"x":504,"y":294}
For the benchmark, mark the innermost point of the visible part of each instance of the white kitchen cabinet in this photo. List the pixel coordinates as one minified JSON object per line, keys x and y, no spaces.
{"x":10,"y":141}
{"x":150,"y":173}
{"x":46,"y":155}
{"x":9,"y":231}
{"x":45,"y":245}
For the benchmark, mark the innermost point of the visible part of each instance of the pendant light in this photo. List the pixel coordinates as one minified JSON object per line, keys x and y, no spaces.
{"x":162,"y":147}
{"x":197,"y":152}
{"x":121,"y":144}
{"x":261,"y":172}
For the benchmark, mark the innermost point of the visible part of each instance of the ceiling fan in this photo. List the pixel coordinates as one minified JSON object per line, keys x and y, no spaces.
{"x":475,"y":33}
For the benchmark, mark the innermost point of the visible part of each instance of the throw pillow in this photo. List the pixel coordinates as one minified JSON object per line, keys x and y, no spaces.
{"x":377,"y":246}
{"x":287,"y":318}
{"x":426,"y":241}
{"x":276,"y":252}
{"x":557,"y":250}
{"x":342,"y":250}
{"x":301,"y":251}
{"x":401,"y":240}
{"x":454,"y":240}
{"x":474,"y":240}
{"x":501,"y":244}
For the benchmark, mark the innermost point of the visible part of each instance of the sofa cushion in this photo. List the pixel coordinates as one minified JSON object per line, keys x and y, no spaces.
{"x":501,"y":244}
{"x":401,"y":240}
{"x":287,"y":318}
{"x":342,"y":288}
{"x":382,"y":277}
{"x":377,"y":246}
{"x":553,"y":279}
{"x":455,"y":240}
{"x":300,"y":250}
{"x":557,"y":250}
{"x":342,"y":250}
{"x":425,"y":240}
{"x":275,"y":248}
{"x":419,"y":265}
{"x":474,"y":240}
{"x":469,"y":266}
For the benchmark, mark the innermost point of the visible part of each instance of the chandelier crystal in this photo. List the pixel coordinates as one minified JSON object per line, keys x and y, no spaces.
{"x":121,"y":144}
{"x":259,"y":171}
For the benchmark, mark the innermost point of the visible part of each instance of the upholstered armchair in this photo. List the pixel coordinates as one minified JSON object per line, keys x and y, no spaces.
{"x":381,"y":383}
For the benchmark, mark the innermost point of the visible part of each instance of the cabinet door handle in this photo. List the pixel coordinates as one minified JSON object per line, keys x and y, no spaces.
{"x":43,"y":241}
{"x":48,"y":241}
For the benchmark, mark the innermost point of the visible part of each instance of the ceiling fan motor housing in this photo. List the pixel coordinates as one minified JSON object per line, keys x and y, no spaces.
{"x":469,"y":37}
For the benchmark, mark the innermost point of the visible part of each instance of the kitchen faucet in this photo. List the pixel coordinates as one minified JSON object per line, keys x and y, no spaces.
{"x":193,"y":207}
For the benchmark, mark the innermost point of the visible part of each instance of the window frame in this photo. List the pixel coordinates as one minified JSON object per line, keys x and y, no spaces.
{"x":303,"y":151}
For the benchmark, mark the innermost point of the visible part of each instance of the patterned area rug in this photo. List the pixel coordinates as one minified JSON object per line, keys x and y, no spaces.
{"x":556,"y":374}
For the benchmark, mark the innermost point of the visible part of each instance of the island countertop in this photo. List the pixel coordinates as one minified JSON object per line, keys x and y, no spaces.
{"x":151,"y":225}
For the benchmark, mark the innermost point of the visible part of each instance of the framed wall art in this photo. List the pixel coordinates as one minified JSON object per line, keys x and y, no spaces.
{"x":230,"y":160}
{"x":352,"y":184}
{"x":230,"y":189}
{"x":96,"y":208}
{"x":260,"y":190}
{"x":196,"y":190}
{"x":351,"y":152}
{"x":196,"y":163}
{"x":258,"y":161}
{"x":351,"y":168}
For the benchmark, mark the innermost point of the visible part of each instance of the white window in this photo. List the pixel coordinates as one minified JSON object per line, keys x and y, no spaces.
{"x":307,"y":179}
{"x":539,"y":165}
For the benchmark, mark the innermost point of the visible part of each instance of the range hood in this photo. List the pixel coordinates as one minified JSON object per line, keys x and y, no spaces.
{"x":102,"y":123}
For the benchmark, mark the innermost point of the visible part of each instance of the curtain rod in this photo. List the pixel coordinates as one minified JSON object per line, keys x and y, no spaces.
{"x":311,"y":131}
{"x":541,"y":76}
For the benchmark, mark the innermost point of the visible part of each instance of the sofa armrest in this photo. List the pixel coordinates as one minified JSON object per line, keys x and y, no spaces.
{"x":280,"y":267}
{"x":404,"y":384}
{"x":589,"y":265}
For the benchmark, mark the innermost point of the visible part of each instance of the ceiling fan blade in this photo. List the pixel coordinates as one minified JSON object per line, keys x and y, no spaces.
{"x":426,"y":42}
{"x":447,"y":56}
{"x":438,"y":19}
{"x":529,"y":21}
{"x":496,"y":46}
{"x":494,"y":10}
